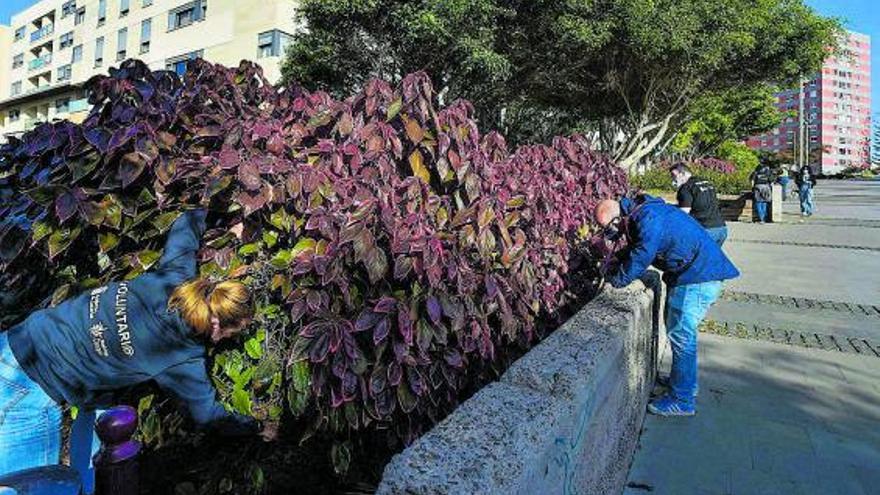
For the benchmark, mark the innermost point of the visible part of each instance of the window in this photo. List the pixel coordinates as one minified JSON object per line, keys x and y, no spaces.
{"x":99,"y":51}
{"x":146,"y":34}
{"x":147,"y":3}
{"x":272,"y":43}
{"x":77,"y":54}
{"x":187,"y":14}
{"x":80,"y":16}
{"x":14,"y":115}
{"x":16,"y":88}
{"x":178,"y":64}
{"x":64,"y":73}
{"x":66,"y":40}
{"x":19,"y":33}
{"x":68,"y":8}
{"x":62,"y":105}
{"x":102,"y":12}
{"x":123,"y":8}
{"x":121,"y":43}
{"x":18,"y":61}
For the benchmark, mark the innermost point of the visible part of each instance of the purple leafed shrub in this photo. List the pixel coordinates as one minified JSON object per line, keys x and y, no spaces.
{"x":399,"y":256}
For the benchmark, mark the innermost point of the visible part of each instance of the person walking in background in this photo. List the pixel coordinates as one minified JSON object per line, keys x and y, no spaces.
{"x":697,"y":197}
{"x":806,"y":180}
{"x":155,"y":327}
{"x":693,"y":268}
{"x":762,"y":192}
{"x":785,"y":181}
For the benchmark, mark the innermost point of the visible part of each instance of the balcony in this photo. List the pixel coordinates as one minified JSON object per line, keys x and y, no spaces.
{"x":41,"y":33}
{"x":39,"y":63}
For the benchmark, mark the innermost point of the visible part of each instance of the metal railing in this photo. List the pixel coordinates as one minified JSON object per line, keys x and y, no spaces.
{"x":40,"y":62}
{"x":42,"y":32}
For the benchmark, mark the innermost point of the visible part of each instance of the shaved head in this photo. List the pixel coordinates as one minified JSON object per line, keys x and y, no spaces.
{"x":606,"y":211}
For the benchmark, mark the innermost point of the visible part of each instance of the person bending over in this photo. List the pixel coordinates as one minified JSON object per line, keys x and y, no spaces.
{"x":154,"y":327}
{"x":693,"y":265}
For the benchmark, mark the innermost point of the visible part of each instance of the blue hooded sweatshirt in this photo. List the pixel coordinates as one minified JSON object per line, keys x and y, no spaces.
{"x":111,"y":338}
{"x":663,"y":235}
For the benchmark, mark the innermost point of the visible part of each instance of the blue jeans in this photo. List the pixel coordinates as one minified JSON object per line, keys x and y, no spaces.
{"x":718,"y":234}
{"x":30,"y":421}
{"x":686,"y":306}
{"x":806,"y":194}
{"x":761,"y":210}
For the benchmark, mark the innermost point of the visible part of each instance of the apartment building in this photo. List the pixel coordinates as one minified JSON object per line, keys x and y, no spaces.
{"x":837,"y":112}
{"x":55,"y":46}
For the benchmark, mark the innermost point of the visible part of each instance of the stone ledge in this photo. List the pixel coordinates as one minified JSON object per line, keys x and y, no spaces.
{"x":565,"y":418}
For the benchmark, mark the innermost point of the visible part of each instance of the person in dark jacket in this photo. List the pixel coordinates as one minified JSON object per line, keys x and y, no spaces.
{"x":806,"y":180}
{"x":762,"y":190}
{"x":82,"y":352}
{"x":697,"y":197}
{"x":693,"y":268}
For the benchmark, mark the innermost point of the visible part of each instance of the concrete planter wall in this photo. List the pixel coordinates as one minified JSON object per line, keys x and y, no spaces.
{"x":564,"y":419}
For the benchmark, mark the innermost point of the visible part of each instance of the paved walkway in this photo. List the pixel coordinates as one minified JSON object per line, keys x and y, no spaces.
{"x":779,"y":418}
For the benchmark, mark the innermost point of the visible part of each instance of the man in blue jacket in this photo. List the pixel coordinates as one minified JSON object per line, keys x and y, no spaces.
{"x":693,"y":267}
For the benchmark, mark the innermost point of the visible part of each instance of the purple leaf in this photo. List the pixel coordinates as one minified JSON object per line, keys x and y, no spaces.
{"x":367,"y":320}
{"x":380,"y":333}
{"x":385,"y":305}
{"x":435,"y":312}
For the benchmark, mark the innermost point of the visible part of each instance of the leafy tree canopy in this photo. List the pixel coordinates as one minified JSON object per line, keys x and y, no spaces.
{"x":627,"y":70}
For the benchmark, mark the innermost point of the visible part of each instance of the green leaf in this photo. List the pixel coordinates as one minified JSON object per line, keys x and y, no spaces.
{"x":394,"y":108}
{"x":144,"y":404}
{"x":41,"y":230}
{"x":304,"y":245}
{"x":147,"y":258}
{"x":241,"y":402}
{"x":300,"y":376}
{"x":112,"y":211}
{"x":275,"y":412}
{"x":281,"y":220}
{"x":61,"y":239}
{"x":297,"y":401}
{"x":281,"y":259}
{"x":253,"y":348}
{"x":164,"y":221}
{"x":249,"y":249}
{"x":270,"y":237}
{"x":107,"y":241}
{"x":60,"y":294}
{"x":83,"y":166}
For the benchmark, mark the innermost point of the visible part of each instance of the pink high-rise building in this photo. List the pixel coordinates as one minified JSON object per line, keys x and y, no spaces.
{"x":837,"y":110}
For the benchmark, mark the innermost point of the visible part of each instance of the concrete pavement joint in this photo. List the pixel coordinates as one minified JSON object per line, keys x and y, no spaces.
{"x":748,"y":331}
{"x":805,"y":244}
{"x":800,"y":303}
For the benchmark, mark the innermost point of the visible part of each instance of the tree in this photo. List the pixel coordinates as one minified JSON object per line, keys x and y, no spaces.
{"x":732,"y":115}
{"x":349,"y":42}
{"x":626,"y":71}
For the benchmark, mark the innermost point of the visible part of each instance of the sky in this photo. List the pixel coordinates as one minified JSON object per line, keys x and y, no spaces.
{"x":862,"y":16}
{"x":859,"y":15}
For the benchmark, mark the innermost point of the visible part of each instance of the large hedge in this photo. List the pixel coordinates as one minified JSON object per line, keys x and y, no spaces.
{"x":398,"y":255}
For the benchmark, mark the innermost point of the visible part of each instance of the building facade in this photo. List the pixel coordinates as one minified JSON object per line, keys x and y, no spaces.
{"x":837,"y":112}
{"x":55,"y":46}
